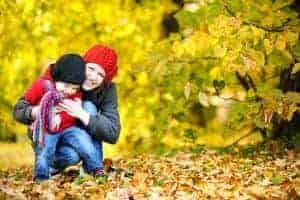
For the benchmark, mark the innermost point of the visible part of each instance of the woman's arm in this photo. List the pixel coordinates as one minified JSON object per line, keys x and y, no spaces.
{"x":22,"y":111}
{"x":27,"y":107}
{"x":106,"y":124}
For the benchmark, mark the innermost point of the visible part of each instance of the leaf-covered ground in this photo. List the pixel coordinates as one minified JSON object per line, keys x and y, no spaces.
{"x":210,"y":174}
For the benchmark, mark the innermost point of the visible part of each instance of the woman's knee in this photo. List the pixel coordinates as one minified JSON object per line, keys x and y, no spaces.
{"x":75,"y":135}
{"x":89,"y":107}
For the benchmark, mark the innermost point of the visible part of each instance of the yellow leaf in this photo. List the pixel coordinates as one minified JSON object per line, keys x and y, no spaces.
{"x":296,"y":68}
{"x":217,"y":101}
{"x":142,"y":79}
{"x":187,"y":90}
{"x":280,"y":43}
{"x":215,"y":73}
{"x":220,"y":51}
{"x":268,"y":46}
{"x":203,"y":99}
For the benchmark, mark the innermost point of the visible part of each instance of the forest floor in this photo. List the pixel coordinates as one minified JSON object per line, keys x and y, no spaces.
{"x":267,"y":173}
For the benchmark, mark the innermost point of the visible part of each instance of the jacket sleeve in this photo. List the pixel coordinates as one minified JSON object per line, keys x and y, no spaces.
{"x":35,"y":92}
{"x":105,"y":126}
{"x":22,"y":111}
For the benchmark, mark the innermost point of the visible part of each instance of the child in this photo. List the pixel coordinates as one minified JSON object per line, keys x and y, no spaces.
{"x":50,"y":126}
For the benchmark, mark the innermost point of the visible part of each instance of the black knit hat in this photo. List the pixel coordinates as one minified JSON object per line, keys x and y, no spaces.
{"x":69,"y":68}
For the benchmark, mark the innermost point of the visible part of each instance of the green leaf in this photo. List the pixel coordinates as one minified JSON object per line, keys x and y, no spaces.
{"x":190,"y":134}
{"x":160,"y":182}
{"x":198,"y":149}
{"x":218,"y":85}
{"x":277,"y":180}
{"x":101,"y":179}
{"x":188,"y":19}
{"x":296,"y":51}
{"x":296,"y":68}
{"x":280,"y":58}
{"x":278,"y":4}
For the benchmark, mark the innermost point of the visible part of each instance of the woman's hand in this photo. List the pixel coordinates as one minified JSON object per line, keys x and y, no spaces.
{"x":74,"y":108}
{"x":34,"y":111}
{"x":56,"y":122}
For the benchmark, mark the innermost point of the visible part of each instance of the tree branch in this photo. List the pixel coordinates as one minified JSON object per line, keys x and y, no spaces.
{"x":268,"y":29}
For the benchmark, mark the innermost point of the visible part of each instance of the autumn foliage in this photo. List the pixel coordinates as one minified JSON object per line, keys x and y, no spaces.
{"x":191,"y":73}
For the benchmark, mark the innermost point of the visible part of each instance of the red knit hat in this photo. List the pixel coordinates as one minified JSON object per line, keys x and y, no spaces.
{"x":104,"y":56}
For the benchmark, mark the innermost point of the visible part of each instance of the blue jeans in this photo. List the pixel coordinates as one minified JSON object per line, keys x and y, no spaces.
{"x":66,"y":155}
{"x":76,"y":138}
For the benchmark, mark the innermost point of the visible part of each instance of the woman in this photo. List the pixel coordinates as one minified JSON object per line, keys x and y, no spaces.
{"x":99,"y":117}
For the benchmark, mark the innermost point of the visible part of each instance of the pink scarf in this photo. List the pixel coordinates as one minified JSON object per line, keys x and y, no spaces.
{"x":44,"y":121}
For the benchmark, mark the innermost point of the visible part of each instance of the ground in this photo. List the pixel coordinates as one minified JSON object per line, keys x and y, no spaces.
{"x":265,"y":173}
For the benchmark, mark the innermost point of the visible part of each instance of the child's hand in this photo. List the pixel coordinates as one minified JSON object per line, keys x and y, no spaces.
{"x":74,"y":108}
{"x":57,"y":110}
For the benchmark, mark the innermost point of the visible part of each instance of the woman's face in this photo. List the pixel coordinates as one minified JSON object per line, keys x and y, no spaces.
{"x":94,"y":76}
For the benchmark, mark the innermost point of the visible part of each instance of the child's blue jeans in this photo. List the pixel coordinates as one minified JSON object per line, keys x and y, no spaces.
{"x":67,"y":148}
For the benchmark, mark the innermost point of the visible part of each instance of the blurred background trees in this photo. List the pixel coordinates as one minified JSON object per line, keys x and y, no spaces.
{"x":212,"y":72}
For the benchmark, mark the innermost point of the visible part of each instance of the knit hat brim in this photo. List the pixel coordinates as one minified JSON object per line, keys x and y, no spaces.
{"x":105,"y":57}
{"x":69,"y":68}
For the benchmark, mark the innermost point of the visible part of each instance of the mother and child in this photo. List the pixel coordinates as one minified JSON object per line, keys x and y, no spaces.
{"x":70,"y":110}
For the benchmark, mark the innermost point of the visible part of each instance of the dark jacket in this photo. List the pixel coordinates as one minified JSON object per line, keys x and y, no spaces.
{"x":105,"y":126}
